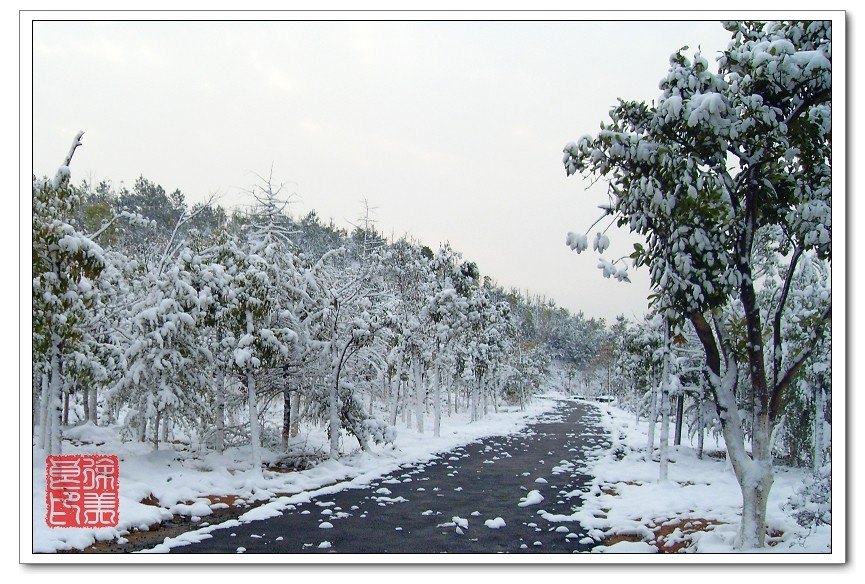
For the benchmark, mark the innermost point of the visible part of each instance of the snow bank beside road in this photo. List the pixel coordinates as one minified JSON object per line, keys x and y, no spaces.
{"x":176,"y":481}
{"x":697,"y":510}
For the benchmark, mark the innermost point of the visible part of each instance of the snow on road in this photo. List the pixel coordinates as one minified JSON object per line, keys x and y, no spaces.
{"x":431,"y":505}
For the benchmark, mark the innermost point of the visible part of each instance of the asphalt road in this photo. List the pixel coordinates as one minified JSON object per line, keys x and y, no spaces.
{"x":413,"y":509}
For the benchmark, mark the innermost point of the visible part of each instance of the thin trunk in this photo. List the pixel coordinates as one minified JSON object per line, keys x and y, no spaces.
{"x":680,"y":414}
{"x":333,"y":405}
{"x":166,"y":428}
{"x":44,"y":418}
{"x":254,"y":431}
{"x":85,"y":401}
{"x":521,"y":393}
{"x":65,"y":408}
{"x":333,"y":400}
{"x":437,"y":403}
{"x":220,"y":411}
{"x":36,"y":410}
{"x":394,"y":390}
{"x":665,"y":408}
{"x":142,"y":428}
{"x":456,"y":388}
{"x":609,"y":382}
{"x":55,"y":401}
{"x":493,"y":394}
{"x":700,"y":429}
{"x":93,"y":398}
{"x":295,"y":413}
{"x":371,"y":398}
{"x":475,"y":398}
{"x":419,"y":391}
{"x":286,"y":418}
{"x":818,"y":424}
{"x":156,"y":430}
{"x":652,"y":419}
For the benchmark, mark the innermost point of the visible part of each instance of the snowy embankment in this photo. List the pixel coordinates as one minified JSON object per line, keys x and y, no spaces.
{"x":174,"y":481}
{"x":697,"y":509}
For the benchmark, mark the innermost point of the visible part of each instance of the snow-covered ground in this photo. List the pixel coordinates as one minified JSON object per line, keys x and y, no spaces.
{"x":696,"y":510}
{"x":177,"y":481}
{"x":626,"y":509}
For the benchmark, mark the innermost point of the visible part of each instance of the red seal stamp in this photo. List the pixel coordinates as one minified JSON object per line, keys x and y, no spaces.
{"x":82,"y":490}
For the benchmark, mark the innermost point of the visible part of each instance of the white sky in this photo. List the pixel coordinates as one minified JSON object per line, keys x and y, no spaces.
{"x":454,"y":131}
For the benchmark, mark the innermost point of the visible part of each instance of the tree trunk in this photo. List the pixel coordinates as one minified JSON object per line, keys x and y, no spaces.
{"x":220,"y":411}
{"x":93,"y":398}
{"x":755,"y":485}
{"x":437,"y":403}
{"x":295,"y":413}
{"x":44,"y":418}
{"x":55,"y":401}
{"x":156,"y":430}
{"x":65,"y":408}
{"x":333,"y":405}
{"x":85,"y":401}
{"x":419,"y":390}
{"x":680,"y":413}
{"x":286,"y":418}
{"x":665,"y":408}
{"x":456,"y":389}
{"x":142,"y":428}
{"x":494,"y":397}
{"x":394,"y":390}
{"x":753,"y":473}
{"x":701,"y":429}
{"x":254,"y":431}
{"x":665,"y":413}
{"x":652,"y":419}
{"x":36,"y":411}
{"x":477,"y":388}
{"x":818,"y":424}
{"x":166,"y":428}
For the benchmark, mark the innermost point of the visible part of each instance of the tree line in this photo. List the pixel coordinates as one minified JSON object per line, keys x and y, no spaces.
{"x":173,"y":320}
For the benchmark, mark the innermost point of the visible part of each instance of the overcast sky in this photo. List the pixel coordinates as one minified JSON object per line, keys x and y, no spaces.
{"x":453,"y":131}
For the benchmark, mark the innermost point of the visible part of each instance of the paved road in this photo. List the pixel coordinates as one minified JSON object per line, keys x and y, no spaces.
{"x":409,"y":510}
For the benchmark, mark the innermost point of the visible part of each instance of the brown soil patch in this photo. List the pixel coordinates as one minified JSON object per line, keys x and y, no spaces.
{"x":774,"y":537}
{"x":610,"y":489}
{"x":683,"y":528}
{"x":150,"y":500}
{"x":619,"y":538}
{"x":143,"y":539}
{"x":280,"y":469}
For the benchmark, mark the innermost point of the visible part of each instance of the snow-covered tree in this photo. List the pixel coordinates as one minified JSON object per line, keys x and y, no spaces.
{"x":726,"y":153}
{"x":263,"y":273}
{"x":65,"y":265}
